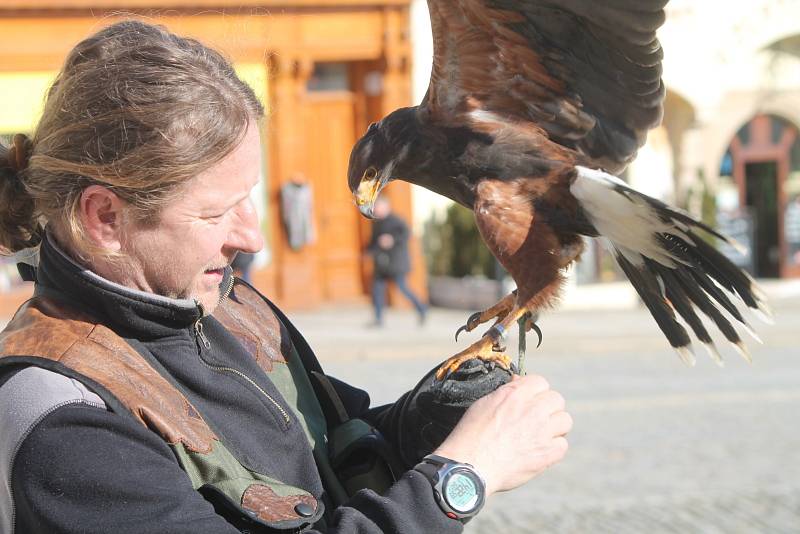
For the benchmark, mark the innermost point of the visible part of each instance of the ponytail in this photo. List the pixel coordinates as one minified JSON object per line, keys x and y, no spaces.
{"x":19,"y":223}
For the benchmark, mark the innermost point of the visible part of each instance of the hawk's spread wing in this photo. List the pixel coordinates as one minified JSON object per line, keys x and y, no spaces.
{"x":588,"y":72}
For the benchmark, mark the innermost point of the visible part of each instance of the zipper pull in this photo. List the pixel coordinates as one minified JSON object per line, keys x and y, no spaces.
{"x":198,"y":330}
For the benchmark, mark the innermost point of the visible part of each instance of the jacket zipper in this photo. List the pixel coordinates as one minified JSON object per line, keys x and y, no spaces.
{"x":204,"y":342}
{"x":228,"y":289}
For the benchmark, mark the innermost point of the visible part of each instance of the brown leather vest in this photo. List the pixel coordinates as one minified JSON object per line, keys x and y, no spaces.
{"x":45,"y":332}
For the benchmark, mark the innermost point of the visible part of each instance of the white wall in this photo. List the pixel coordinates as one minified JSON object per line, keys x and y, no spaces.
{"x":425,"y":202}
{"x":715,"y":58}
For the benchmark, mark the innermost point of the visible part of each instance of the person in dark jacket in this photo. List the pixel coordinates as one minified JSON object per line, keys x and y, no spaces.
{"x":242,"y":264}
{"x":388,"y":247}
{"x":144,"y":389}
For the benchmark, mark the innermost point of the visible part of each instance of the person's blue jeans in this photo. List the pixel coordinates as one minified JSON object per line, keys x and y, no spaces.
{"x":379,"y":296}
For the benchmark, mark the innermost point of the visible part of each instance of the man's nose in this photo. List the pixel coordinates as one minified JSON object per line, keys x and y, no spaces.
{"x":246,"y":234}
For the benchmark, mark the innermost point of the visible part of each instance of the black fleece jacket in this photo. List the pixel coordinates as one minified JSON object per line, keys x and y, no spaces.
{"x":88,"y":470}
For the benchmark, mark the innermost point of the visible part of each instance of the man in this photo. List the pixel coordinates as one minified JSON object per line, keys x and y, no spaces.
{"x":388,"y":246}
{"x":143,"y":389}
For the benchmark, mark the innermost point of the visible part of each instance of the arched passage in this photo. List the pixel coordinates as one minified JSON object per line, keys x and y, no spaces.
{"x":760,"y":187}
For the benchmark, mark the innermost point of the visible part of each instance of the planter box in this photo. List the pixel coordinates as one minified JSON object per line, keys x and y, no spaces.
{"x":477,"y":293}
{"x":468,"y":293}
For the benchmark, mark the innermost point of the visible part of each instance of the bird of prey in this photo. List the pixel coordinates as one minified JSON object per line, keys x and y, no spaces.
{"x":533,"y":107}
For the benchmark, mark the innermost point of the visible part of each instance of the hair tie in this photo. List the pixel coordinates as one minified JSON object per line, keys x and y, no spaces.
{"x":19,"y":152}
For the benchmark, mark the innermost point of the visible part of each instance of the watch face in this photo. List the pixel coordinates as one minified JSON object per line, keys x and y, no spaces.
{"x":461,"y":491}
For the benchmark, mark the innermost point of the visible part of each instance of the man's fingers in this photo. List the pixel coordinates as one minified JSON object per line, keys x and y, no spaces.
{"x":549,"y":402}
{"x":523,"y":388}
{"x":559,"y":448}
{"x":533,"y":384}
{"x":561,"y":423}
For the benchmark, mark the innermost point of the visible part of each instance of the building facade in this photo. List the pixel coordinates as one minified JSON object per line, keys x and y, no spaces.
{"x":733,"y":70}
{"x":324,"y":69}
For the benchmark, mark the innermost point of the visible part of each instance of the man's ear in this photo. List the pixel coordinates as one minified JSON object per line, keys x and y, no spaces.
{"x":102,"y":213}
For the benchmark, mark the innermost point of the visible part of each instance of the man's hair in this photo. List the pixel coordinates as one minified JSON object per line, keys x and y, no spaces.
{"x":136,"y":109}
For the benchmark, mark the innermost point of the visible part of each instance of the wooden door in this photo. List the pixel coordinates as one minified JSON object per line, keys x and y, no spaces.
{"x":330,"y":136}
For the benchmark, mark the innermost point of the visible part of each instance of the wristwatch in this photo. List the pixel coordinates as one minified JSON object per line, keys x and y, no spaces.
{"x":458,"y":489}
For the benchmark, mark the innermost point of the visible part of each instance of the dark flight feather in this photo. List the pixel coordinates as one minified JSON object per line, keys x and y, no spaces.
{"x":675,"y":269}
{"x":647,"y":285}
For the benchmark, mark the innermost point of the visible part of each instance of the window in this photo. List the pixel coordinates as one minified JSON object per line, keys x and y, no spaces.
{"x":329,"y":77}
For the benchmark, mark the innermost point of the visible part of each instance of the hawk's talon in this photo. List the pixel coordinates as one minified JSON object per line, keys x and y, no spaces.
{"x":472,"y":323}
{"x":474,"y":320}
{"x":461,"y":329}
{"x":533,"y":326}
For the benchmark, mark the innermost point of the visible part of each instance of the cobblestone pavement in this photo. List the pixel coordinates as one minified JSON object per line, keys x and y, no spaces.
{"x":657,"y":447}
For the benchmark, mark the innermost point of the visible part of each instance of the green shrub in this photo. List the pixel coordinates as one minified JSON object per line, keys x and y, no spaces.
{"x":453,"y":246}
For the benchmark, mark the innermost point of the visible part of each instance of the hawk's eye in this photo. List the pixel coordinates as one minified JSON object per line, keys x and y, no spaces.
{"x":371,"y":173}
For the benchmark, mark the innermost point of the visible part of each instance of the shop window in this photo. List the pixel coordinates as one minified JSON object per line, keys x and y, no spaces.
{"x":329,"y":76}
{"x":744,"y":134}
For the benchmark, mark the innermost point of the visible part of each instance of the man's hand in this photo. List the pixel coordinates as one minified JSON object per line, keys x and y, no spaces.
{"x":512,"y":434}
{"x":385,"y":241}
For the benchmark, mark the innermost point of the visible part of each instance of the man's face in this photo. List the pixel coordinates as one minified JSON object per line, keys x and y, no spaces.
{"x":183,"y":256}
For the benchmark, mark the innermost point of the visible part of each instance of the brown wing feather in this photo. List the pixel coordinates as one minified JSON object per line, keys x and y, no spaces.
{"x":587,"y":72}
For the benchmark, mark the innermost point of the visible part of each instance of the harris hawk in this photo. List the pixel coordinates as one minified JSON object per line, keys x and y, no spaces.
{"x":533,"y":108}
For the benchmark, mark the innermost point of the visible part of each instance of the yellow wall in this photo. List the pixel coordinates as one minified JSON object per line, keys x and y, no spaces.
{"x":22,"y":95}
{"x":22,"y":99}
{"x":255,"y":75}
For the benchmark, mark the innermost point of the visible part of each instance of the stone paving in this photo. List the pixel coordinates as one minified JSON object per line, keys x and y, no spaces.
{"x":657,"y":447}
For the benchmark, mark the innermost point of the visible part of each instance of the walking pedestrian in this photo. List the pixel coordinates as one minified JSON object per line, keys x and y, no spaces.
{"x":388,"y":247}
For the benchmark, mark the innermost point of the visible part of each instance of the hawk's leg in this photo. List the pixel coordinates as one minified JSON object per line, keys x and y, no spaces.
{"x":488,"y":348}
{"x":499,"y":310}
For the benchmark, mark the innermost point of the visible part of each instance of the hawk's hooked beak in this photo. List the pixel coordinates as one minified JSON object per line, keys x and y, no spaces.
{"x":367,"y":193}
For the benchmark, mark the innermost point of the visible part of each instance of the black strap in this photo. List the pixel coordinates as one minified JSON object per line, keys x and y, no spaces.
{"x":429,"y":470}
{"x":331,"y":395}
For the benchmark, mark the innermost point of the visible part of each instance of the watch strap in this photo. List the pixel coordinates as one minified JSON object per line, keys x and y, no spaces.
{"x":428,"y":469}
{"x":430,"y":466}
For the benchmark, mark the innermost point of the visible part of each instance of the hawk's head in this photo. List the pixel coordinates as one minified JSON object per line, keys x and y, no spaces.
{"x":377,"y":156}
